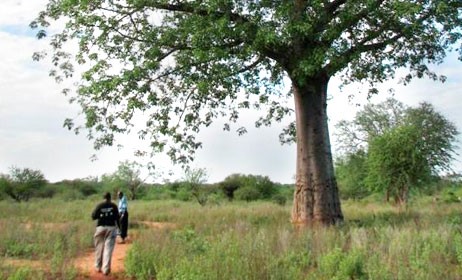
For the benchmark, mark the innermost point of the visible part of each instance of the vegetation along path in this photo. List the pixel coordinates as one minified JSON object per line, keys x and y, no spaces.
{"x":85,"y":263}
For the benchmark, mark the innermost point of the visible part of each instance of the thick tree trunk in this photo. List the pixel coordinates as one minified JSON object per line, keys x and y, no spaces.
{"x":316,"y":199}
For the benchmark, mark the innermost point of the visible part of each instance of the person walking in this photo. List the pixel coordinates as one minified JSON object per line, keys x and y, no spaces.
{"x":107,"y":215}
{"x":123,"y":210}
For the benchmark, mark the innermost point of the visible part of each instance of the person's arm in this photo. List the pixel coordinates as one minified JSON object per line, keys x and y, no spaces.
{"x":94,"y":214}
{"x":118,"y":217}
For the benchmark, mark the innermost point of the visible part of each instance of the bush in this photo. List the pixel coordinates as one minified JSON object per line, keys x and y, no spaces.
{"x":47,"y":191}
{"x":247,"y":193}
{"x":449,"y":196}
{"x":216,"y":198}
{"x":342,"y":265}
{"x":158,"y":193}
{"x":184,"y":194}
{"x":231,"y":184}
{"x":280,"y":199}
{"x":140,"y":263}
{"x":20,"y":274}
{"x":69,"y":195}
{"x":351,"y":171}
{"x":22,"y":183}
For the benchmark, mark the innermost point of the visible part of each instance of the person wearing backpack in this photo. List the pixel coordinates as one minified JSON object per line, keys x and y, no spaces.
{"x":107,"y":215}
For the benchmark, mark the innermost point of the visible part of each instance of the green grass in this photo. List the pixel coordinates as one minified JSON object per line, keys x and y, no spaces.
{"x":243,"y":241}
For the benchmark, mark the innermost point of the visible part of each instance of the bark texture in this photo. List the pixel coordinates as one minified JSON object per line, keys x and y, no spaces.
{"x":316,"y":199}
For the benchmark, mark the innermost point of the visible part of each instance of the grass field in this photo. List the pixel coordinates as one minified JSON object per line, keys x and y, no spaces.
{"x":39,"y":240}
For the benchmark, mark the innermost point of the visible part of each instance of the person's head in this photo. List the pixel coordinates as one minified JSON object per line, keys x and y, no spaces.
{"x":107,"y":196}
{"x":121,"y":194}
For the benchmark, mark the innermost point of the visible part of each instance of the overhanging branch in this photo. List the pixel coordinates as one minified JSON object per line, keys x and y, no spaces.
{"x":344,"y":58}
{"x":188,"y":8}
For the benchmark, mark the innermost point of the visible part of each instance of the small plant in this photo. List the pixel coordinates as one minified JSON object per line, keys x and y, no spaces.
{"x":140,"y":263}
{"x":342,"y":265}
{"x":458,"y":248}
{"x":21,"y":274}
{"x":192,"y":243}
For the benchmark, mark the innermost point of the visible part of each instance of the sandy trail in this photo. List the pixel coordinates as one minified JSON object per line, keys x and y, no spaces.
{"x":86,"y":263}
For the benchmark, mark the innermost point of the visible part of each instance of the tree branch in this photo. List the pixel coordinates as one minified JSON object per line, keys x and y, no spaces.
{"x":187,"y":8}
{"x":344,"y":58}
{"x":332,"y":12}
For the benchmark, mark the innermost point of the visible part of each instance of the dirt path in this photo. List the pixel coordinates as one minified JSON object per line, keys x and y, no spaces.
{"x":86,"y":263}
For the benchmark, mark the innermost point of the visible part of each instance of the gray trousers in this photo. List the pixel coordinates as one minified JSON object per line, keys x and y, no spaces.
{"x":105,"y":237}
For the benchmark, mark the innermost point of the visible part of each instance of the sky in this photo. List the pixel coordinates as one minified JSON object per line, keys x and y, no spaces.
{"x":32,"y":112}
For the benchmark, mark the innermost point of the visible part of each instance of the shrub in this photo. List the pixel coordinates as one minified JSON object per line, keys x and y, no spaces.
{"x":22,"y":184}
{"x":20,"y":274}
{"x":231,"y":184}
{"x":351,"y":171}
{"x":342,"y":265}
{"x":70,"y":194}
{"x":247,"y":193}
{"x":280,"y":199}
{"x":184,"y":194}
{"x":140,"y":262}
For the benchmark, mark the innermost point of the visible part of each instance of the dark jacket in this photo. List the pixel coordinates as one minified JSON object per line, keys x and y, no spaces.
{"x":106,"y":213}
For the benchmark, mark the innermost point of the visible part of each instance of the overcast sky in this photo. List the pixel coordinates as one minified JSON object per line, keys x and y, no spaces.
{"x":32,"y":111}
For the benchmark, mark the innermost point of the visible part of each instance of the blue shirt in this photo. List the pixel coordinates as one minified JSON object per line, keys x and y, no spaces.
{"x":123,"y":205}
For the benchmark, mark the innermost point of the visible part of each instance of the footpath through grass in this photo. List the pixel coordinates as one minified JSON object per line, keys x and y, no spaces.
{"x":239,"y":241}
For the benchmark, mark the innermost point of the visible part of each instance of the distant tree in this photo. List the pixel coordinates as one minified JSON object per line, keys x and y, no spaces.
{"x":247,"y":193}
{"x":351,"y":172}
{"x":262,"y":184}
{"x":174,"y":186}
{"x":3,"y":185}
{"x":126,"y":178}
{"x":373,"y":120}
{"x":185,"y":63}
{"x":438,"y":134}
{"x":397,"y":162}
{"x":22,"y":183}
{"x":84,"y":187}
{"x":195,"y":178}
{"x":405,"y":147}
{"x":230,"y":184}
{"x":255,"y":187}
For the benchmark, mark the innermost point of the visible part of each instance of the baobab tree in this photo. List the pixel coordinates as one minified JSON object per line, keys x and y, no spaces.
{"x":185,"y":63}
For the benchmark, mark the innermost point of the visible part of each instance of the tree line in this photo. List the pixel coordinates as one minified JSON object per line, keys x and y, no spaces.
{"x":388,"y":149}
{"x":23,"y":184}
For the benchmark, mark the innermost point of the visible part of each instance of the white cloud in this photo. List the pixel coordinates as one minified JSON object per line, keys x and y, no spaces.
{"x":20,"y":12}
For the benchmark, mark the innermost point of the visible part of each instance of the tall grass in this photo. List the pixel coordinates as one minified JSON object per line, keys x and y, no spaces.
{"x":256,"y":241}
{"x":241,"y":241}
{"x":42,"y":237}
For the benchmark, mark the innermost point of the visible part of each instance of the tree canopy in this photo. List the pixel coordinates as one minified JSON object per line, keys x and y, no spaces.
{"x":184,"y":63}
{"x":390,"y":147}
{"x":126,"y":178}
{"x":22,"y":183}
{"x":181,"y":64}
